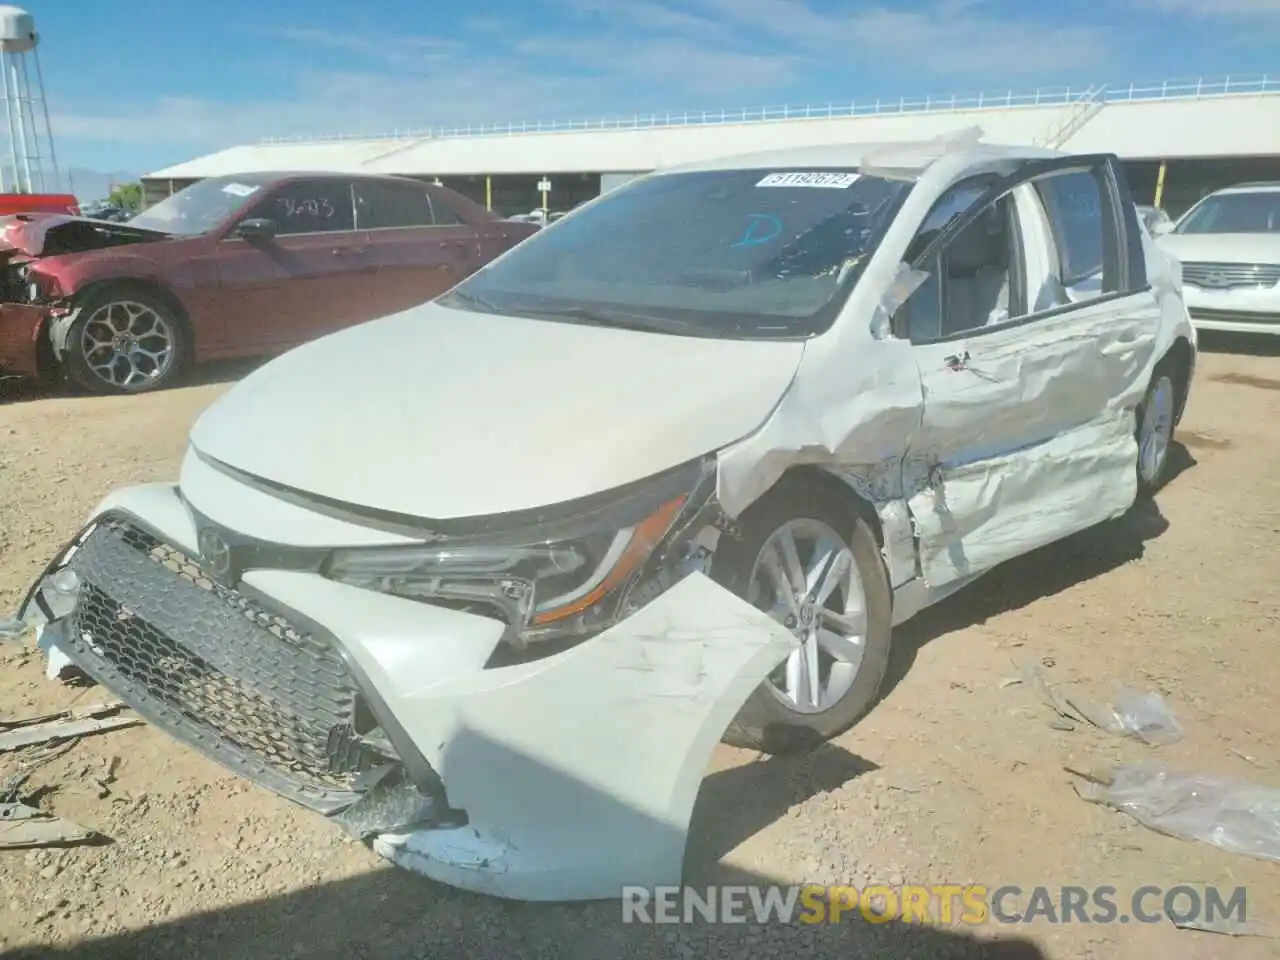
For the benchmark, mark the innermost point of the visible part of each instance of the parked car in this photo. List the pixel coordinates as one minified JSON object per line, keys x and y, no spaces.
{"x":229,"y":267}
{"x":107,"y":211}
{"x":11,"y":203}
{"x":485,"y":581}
{"x":1229,"y":246}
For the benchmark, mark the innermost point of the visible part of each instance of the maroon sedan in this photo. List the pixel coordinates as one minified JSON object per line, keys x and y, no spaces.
{"x":229,"y":267}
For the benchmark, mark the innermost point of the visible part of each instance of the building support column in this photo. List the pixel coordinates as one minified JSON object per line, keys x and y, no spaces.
{"x":488,"y":192}
{"x":1164,"y":167}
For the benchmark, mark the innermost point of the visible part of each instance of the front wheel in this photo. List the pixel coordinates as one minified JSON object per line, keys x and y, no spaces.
{"x":126,"y":340}
{"x":809,"y":561}
{"x":1156,"y":416}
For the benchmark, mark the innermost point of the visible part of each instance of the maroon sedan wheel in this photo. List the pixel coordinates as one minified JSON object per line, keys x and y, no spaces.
{"x":126,"y":340}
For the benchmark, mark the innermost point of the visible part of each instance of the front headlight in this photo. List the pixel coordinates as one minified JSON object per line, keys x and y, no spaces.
{"x":557,"y":576}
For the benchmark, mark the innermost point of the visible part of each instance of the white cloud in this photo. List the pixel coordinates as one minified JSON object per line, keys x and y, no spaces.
{"x":947,"y":38}
{"x":1206,"y":9}
{"x":620,"y":57}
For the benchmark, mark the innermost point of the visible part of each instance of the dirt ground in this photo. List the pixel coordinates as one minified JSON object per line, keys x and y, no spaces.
{"x":956,"y":777}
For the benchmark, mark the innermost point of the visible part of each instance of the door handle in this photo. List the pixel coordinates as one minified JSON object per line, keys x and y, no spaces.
{"x":349,"y":251}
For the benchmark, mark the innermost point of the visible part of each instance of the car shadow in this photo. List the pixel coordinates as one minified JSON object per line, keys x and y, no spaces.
{"x":721,"y":820}
{"x":1041,"y":573}
{"x":1241,"y":344}
{"x":393,"y":914}
{"x":19,"y":390}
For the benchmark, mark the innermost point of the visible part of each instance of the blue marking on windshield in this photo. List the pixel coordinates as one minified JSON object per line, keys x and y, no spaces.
{"x":761,"y":228}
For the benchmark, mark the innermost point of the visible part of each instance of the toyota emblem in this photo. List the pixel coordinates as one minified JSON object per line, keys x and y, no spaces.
{"x":1215,"y":279}
{"x":216,"y":554}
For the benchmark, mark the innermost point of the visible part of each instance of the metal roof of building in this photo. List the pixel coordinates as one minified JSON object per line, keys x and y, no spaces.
{"x":1232,"y":116}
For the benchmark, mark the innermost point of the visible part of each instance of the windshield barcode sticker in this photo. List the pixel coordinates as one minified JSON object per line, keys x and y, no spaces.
{"x":240,"y":189}
{"x":830,"y":180}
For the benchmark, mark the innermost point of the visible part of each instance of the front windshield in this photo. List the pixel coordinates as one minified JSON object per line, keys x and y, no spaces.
{"x":200,"y":207}
{"x":1254,"y":212}
{"x":724,"y":253}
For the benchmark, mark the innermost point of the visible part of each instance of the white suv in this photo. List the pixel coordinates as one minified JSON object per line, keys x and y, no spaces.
{"x":1229,"y":245}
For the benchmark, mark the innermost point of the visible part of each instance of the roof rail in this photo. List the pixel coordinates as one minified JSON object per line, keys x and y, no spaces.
{"x":949,"y":103}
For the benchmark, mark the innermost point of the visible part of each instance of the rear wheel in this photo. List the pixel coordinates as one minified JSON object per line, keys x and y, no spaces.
{"x":1156,"y":417}
{"x":809,"y":561}
{"x":127,"y":339}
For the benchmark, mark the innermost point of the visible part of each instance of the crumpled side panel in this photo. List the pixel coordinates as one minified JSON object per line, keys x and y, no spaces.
{"x":1030,"y":435}
{"x":979,"y":517}
{"x":853,"y":403}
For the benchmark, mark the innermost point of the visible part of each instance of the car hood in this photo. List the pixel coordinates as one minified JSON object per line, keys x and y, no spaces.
{"x":444,"y":413}
{"x":1223,"y":247}
{"x":52,"y":234}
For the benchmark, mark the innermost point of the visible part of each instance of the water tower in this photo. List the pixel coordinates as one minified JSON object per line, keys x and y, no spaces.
{"x":33,"y":165}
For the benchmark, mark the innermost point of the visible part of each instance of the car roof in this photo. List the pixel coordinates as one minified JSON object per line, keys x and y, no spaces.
{"x":914,"y":154}
{"x":1261,"y":186}
{"x":282,"y":176}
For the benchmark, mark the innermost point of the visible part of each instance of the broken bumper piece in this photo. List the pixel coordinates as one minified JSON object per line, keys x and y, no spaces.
{"x":565,"y":778}
{"x":20,"y":326}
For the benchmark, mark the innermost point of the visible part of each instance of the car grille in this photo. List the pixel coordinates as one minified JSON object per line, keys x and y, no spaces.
{"x":1218,"y":276}
{"x":218,"y":669}
{"x":1234,"y":316}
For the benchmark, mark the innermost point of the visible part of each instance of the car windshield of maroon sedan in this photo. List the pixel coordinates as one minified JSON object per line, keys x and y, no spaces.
{"x":202,"y":206}
{"x":719,"y":253}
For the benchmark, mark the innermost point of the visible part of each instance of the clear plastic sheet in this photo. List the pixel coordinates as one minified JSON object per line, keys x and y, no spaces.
{"x":1145,"y":717}
{"x":1229,"y":814}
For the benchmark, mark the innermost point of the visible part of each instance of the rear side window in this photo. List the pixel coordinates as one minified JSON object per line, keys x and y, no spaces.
{"x":382,"y":205}
{"x":1074,"y":203}
{"x":445,"y":215}
{"x":311,"y":206}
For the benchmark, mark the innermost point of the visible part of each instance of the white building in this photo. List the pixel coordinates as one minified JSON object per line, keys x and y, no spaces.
{"x":1181,"y":138}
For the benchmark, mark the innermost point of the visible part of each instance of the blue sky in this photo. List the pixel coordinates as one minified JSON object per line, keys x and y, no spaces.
{"x":136,"y":86}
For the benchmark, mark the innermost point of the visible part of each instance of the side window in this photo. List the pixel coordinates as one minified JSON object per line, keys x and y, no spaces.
{"x":1078,"y":221}
{"x":310,"y":206}
{"x":380,"y":205}
{"x":445,"y":215}
{"x":974,"y":282}
{"x":958,"y":198}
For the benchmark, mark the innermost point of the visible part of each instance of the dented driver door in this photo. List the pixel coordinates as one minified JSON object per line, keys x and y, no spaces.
{"x":1033,"y":337}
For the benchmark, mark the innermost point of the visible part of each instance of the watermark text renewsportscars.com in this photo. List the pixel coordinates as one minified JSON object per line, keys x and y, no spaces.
{"x":943,"y":904}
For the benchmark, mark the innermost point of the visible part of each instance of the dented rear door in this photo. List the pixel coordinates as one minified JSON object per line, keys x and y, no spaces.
{"x":1030,"y":376}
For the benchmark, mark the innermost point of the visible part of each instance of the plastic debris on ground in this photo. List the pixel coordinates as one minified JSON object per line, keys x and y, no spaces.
{"x":22,"y":826}
{"x":1229,"y":814}
{"x":71,"y":724}
{"x":11,"y":629}
{"x":58,"y":665}
{"x":1143,"y":716}
{"x":1229,"y":927}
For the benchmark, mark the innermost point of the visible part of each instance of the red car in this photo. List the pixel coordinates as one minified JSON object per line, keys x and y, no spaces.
{"x":229,"y":267}
{"x":39,"y":202}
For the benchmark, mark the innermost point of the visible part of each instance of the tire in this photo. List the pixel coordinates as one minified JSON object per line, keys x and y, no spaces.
{"x":770,"y":721}
{"x":1156,"y":421}
{"x":117,"y":312}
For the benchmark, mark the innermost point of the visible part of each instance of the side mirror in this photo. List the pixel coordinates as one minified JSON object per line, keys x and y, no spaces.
{"x":1161,"y":228}
{"x":256,"y":228}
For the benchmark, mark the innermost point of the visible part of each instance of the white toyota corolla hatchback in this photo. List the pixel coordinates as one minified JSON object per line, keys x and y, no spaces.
{"x":486,"y":581}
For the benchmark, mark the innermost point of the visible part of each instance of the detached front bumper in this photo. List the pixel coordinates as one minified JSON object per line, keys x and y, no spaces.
{"x":559,"y":779}
{"x":20,"y":328}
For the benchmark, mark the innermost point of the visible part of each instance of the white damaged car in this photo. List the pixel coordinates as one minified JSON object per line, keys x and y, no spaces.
{"x":486,"y":581}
